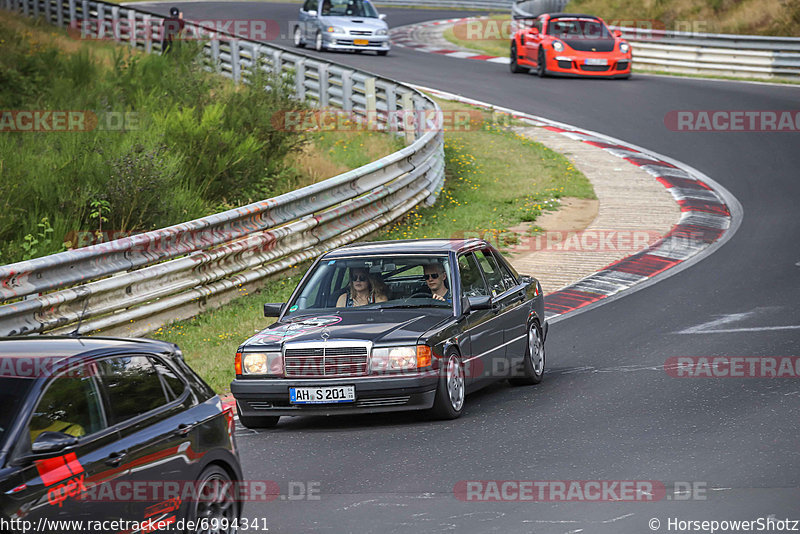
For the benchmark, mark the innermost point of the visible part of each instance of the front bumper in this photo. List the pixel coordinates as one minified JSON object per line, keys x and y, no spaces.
{"x":270,"y":396}
{"x":342,"y":41}
{"x":573,"y":65}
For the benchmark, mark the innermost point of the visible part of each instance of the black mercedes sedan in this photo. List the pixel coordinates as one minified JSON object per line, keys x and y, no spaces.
{"x":112,"y":435}
{"x":390,"y":326}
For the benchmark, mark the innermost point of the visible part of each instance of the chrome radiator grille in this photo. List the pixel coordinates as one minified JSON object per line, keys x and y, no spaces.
{"x":326,"y":361}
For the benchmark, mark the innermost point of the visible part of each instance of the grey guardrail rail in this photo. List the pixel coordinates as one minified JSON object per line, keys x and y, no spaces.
{"x":136,"y":284}
{"x":694,"y":52}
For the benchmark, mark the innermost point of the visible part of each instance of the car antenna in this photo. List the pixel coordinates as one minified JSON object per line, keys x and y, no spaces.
{"x":76,"y":333}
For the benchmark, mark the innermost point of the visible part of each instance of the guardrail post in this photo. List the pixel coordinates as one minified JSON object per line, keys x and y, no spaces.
{"x":60,"y":13}
{"x":35,"y":8}
{"x":300,"y":79}
{"x":277,"y":63}
{"x":323,"y":85}
{"x":371,"y":104}
{"x":409,"y":117}
{"x":116,"y":32}
{"x":347,"y":90}
{"x":73,"y":17}
{"x":391,"y":109}
{"x":148,"y":33}
{"x":101,"y":21}
{"x":235,"y":64}
{"x":132,"y":27}
{"x":214,"y":54}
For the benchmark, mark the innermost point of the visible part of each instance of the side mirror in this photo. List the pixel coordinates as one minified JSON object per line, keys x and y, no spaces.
{"x":534,"y":31}
{"x":382,"y":16}
{"x":617,"y":33}
{"x":52,"y":442}
{"x":525,"y":279}
{"x":480,"y":303}
{"x":465,"y":307}
{"x":312,"y":12}
{"x":274,"y":309}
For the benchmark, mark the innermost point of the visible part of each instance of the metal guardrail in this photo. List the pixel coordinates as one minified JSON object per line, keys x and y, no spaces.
{"x":693,"y":52}
{"x":486,"y":5}
{"x":136,"y":284}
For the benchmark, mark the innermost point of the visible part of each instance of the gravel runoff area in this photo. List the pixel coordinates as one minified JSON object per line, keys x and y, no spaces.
{"x":631,"y":206}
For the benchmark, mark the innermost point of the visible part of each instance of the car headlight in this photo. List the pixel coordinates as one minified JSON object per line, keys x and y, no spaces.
{"x":400,"y":358}
{"x":381,"y":32}
{"x":335,"y":29}
{"x":260,"y":363}
{"x":558,"y":46}
{"x":624,"y":47}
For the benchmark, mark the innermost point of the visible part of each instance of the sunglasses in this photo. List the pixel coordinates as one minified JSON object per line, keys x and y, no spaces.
{"x":359,"y":278}
{"x":432,"y":276}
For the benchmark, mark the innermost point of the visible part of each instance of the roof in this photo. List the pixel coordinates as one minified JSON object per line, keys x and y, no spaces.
{"x":68,"y":346}
{"x":576,"y":15}
{"x":407,"y":246}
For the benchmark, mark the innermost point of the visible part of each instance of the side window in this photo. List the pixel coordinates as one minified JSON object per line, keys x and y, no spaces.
{"x":509,"y":278}
{"x":492,"y":272}
{"x":70,"y":404}
{"x":471,"y":281}
{"x":132,"y":386}
{"x":309,"y":5}
{"x":172,"y":382}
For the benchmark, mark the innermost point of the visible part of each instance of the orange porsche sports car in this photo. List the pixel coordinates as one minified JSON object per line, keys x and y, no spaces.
{"x":570,"y":44}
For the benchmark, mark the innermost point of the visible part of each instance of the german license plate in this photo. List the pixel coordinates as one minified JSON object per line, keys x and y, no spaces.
{"x":363,"y":42}
{"x":322,"y":395}
{"x":595,"y":61}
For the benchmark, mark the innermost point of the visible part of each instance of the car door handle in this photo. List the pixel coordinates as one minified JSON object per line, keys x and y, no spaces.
{"x":184,"y":428}
{"x":115,"y":458}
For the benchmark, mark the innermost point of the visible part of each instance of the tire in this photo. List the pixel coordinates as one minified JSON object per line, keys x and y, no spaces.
{"x":257,"y":421}
{"x":298,"y":37}
{"x":383,"y":52}
{"x":541,"y":63}
{"x":513,"y":65}
{"x":319,"y":46}
{"x":216,"y":499}
{"x":533,"y":364}
{"x":449,"y":401}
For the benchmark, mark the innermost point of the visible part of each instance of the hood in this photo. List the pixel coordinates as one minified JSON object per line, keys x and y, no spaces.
{"x":377,"y":326}
{"x":354,"y":23}
{"x":586,"y":45}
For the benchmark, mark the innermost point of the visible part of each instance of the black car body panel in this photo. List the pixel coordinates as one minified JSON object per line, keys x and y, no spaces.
{"x":130,"y":435}
{"x":490,"y":342}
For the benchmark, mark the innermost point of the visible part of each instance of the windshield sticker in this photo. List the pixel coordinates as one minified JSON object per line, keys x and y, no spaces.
{"x":285,"y":332}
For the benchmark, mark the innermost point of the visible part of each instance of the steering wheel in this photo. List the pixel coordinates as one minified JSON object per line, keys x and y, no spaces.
{"x":420,"y":295}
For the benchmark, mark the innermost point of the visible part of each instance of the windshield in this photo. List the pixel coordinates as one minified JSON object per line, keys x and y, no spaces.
{"x":12,"y":393}
{"x":348,"y":8}
{"x":578,"y":29}
{"x":376,"y":282}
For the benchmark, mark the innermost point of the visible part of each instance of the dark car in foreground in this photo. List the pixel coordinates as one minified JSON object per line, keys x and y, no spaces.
{"x":570,"y":44}
{"x":101,"y":429}
{"x":390,"y":326}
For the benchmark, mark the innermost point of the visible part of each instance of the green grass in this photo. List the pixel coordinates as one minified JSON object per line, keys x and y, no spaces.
{"x":496,"y":31}
{"x":495,"y":179}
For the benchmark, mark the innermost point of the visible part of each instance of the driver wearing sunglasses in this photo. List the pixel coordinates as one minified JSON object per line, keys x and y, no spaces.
{"x":435,"y":277}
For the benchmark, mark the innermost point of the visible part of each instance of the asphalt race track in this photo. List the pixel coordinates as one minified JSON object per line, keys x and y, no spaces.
{"x":606,"y":410}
